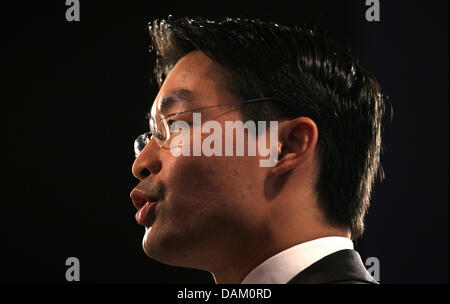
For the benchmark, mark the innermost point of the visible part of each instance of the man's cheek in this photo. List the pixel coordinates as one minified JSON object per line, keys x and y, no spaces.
{"x":192,"y":172}
{"x":187,"y":182}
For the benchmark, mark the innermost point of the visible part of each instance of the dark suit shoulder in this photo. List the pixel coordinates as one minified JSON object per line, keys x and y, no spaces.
{"x":341,"y":267}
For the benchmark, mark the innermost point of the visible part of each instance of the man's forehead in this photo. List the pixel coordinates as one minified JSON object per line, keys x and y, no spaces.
{"x":192,"y":68}
{"x":176,"y":97}
{"x":192,"y":76}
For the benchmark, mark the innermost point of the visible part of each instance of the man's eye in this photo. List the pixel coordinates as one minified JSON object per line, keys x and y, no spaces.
{"x":171,"y":121}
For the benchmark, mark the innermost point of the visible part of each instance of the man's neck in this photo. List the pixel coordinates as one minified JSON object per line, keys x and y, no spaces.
{"x":237,"y":269}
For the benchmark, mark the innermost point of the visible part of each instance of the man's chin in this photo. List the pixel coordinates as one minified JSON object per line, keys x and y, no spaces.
{"x":157,"y":248}
{"x":152,"y":248}
{"x":146,"y":242}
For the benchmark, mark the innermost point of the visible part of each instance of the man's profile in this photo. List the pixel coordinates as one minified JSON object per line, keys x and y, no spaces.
{"x":292,"y":222}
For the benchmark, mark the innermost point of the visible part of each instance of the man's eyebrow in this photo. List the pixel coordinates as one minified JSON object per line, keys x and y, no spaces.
{"x":179,"y":96}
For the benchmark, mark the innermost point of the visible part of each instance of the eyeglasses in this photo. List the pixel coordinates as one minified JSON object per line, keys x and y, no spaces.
{"x":160,"y":129}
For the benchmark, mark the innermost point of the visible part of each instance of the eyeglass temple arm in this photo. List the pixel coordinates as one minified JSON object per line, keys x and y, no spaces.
{"x":225,"y":104}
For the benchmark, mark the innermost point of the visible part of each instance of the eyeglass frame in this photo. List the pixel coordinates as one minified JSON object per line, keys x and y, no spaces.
{"x":147,"y":136}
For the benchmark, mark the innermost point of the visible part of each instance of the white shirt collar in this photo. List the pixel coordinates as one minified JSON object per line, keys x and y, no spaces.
{"x":282,"y":267}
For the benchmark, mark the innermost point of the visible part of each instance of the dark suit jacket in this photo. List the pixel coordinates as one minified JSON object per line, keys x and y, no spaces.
{"x":341,"y":267}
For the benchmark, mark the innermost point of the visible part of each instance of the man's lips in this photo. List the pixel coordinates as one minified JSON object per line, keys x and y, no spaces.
{"x":145,"y":204}
{"x":146,"y":216}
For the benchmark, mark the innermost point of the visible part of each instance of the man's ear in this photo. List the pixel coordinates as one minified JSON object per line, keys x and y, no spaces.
{"x":296,"y":144}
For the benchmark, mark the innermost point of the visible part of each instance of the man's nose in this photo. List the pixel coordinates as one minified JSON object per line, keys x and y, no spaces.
{"x":148,"y":161}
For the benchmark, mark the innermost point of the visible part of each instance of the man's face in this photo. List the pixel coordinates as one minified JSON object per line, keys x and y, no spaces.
{"x":208,"y":205}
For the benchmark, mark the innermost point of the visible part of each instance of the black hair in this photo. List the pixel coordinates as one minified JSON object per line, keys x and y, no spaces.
{"x":314,"y":77}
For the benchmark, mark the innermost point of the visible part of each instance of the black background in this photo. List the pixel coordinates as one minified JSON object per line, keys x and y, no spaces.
{"x":75,"y":95}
